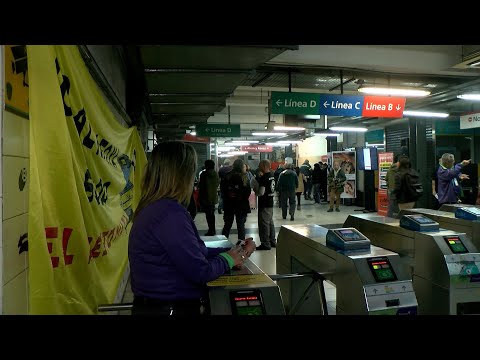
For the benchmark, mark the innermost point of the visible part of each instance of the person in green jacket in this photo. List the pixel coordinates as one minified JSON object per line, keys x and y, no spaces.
{"x":336,"y":181}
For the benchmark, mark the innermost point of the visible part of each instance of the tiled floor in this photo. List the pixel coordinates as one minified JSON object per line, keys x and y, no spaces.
{"x":310,"y":213}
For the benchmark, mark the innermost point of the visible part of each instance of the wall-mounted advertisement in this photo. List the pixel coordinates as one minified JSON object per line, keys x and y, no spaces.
{"x":347,"y":161}
{"x":385,"y":161}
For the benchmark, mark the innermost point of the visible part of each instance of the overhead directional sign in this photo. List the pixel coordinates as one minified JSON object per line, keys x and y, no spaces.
{"x":257,"y":148}
{"x":383,"y":106}
{"x":336,"y":105}
{"x":218,"y":130}
{"x":341,"y":105}
{"x":293,"y":103}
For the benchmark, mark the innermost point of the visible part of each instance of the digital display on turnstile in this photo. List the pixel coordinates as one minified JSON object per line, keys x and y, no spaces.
{"x":349,"y":234}
{"x":473,"y":210}
{"x":455,"y":244}
{"x":247,"y":302}
{"x":422,"y":219}
{"x":381,"y":269}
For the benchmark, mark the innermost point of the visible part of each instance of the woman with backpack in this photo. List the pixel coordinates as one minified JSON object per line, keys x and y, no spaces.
{"x":408,"y":188}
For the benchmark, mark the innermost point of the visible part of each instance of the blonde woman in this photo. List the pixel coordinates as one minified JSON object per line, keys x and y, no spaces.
{"x":170,"y":265}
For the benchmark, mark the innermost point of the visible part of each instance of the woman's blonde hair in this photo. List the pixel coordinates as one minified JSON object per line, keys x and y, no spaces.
{"x":170,"y":174}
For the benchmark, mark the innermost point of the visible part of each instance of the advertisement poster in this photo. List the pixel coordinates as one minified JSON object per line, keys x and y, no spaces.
{"x":16,"y":79}
{"x":347,"y":162}
{"x":385,"y":160}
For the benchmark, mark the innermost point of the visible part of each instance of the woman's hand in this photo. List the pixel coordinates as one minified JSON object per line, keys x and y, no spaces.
{"x":238,"y":255}
{"x":249,"y":246}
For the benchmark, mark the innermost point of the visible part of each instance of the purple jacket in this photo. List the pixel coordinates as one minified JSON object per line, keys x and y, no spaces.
{"x":446,"y":192}
{"x":168,"y":260}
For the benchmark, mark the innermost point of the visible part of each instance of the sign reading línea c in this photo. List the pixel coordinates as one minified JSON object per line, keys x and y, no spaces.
{"x":336,"y":105}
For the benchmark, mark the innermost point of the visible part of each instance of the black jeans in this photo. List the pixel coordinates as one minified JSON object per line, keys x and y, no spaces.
{"x":299,"y":196}
{"x":210,"y":215}
{"x":148,"y":306}
{"x":240,"y":216}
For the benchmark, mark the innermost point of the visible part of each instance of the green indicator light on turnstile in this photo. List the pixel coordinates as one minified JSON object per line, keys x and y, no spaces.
{"x":452,"y":242}
{"x":376,"y":267}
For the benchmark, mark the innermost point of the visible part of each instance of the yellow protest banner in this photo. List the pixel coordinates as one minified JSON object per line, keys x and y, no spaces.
{"x":85,"y":171}
{"x":16,"y":79}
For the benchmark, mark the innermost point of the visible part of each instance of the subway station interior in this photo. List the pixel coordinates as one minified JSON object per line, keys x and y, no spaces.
{"x":79,"y":123}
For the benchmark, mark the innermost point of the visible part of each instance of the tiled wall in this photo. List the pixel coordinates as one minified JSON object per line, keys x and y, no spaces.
{"x":15,"y":161}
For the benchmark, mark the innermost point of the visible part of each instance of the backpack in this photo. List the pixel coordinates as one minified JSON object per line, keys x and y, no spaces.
{"x":412,"y":186}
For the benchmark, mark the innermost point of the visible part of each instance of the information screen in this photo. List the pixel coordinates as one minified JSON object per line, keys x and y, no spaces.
{"x":422,"y":219}
{"x":349,"y":235}
{"x":455,"y":244}
{"x":247,"y":302}
{"x":381,"y":269}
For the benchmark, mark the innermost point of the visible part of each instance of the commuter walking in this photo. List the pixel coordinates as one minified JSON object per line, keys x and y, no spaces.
{"x":236,"y":190}
{"x":306,"y":170}
{"x":316,"y":178}
{"x":287,"y":185}
{"x":406,"y":181}
{"x":301,"y":186}
{"x":224,"y":169}
{"x":208,"y":194}
{"x":336,"y":182}
{"x":264,"y":186}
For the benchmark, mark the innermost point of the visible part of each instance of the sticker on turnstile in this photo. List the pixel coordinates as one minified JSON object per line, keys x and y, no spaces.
{"x":234,"y":280}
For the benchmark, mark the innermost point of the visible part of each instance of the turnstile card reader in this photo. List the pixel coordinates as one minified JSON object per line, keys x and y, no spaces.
{"x":347,"y":239}
{"x":468,"y":213}
{"x":418,"y":223}
{"x":245,"y":291}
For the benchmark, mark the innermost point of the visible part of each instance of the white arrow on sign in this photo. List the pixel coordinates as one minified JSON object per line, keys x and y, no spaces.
{"x":398,"y":107}
{"x":281,"y":102}
{"x":207,"y":129}
{"x":325,"y":103}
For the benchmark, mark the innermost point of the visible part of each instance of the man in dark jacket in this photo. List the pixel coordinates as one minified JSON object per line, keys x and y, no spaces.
{"x":287,"y":184}
{"x":235,"y":190}
{"x":224,"y":169}
{"x":207,"y":194}
{"x":316,"y":174}
{"x":306,"y":170}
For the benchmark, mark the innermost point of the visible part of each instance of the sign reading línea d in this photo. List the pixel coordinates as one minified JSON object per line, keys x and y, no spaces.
{"x":336,"y":105}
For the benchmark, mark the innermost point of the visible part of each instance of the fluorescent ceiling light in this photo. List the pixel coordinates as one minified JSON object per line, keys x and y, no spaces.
{"x":469,"y":97}
{"x":342,"y":128}
{"x":194,"y":133}
{"x":237,"y":153}
{"x":224,"y":155}
{"x":243,"y":142}
{"x":288,"y":128}
{"x":312,"y":117}
{"x":225,"y":148}
{"x":392,"y":91}
{"x":268,"y":134}
{"x":326,"y":133}
{"x":237,"y":143}
{"x":289,"y":142}
{"x":425,"y":114}
{"x":276,"y":144}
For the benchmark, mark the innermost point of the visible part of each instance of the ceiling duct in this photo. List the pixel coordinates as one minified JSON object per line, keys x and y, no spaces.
{"x":470,"y":57}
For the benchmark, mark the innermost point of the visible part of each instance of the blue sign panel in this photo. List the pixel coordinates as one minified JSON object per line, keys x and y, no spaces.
{"x":341,"y":105}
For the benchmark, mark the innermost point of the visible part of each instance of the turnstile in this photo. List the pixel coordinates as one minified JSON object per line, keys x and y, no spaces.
{"x":453,"y":207}
{"x":368,"y":281}
{"x":245,"y":291}
{"x":449,"y":221}
{"x":387,"y":233}
{"x":446,"y":276}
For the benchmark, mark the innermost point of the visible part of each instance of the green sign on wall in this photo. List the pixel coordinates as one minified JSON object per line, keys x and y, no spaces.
{"x":218,"y":130}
